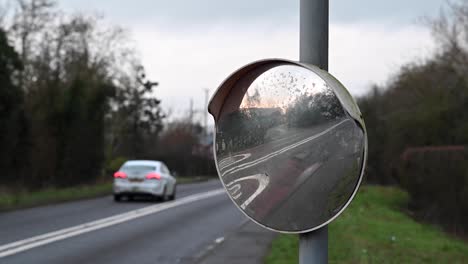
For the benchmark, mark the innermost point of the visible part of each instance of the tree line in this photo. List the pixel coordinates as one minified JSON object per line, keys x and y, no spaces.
{"x":418,"y":125}
{"x":74,"y":100}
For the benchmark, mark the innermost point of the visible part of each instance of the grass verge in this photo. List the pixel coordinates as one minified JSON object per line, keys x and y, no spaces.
{"x":375,"y":230}
{"x":10,"y":200}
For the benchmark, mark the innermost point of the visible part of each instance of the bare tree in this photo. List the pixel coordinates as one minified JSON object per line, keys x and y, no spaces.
{"x":450,"y":30}
{"x":30,"y":18}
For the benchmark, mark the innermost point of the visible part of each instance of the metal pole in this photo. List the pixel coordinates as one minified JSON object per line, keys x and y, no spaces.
{"x":314,"y":32}
{"x":205,"y":121}
{"x":313,"y":247}
{"x":314,"y":21}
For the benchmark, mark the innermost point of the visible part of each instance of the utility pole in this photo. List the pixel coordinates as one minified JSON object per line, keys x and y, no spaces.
{"x":205,"y":112}
{"x":191,"y":115}
{"x":191,"y":111}
{"x":314,"y":21}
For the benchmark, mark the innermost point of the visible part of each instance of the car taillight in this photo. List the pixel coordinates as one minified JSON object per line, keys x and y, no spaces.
{"x":120,"y":174}
{"x":153,"y":176}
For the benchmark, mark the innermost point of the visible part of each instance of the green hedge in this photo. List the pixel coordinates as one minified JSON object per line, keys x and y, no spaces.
{"x":437,"y":180}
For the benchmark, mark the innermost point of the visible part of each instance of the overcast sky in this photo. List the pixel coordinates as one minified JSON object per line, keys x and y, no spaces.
{"x":191,"y":45}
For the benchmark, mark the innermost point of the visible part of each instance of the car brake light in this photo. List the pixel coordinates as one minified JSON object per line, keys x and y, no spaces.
{"x":153,"y":176}
{"x":120,"y":174}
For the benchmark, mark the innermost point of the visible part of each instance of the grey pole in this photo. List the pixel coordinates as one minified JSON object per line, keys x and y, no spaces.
{"x":314,"y":32}
{"x":314,"y":21}
{"x":313,"y":247}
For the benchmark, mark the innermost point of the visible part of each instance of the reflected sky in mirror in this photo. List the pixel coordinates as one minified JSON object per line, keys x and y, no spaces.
{"x":288,"y":153}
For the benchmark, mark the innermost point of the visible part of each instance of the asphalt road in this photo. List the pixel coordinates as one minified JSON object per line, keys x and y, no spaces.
{"x":183,"y":233}
{"x":299,"y":180}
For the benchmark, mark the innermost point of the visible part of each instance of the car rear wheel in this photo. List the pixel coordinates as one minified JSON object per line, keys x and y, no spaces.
{"x":163,"y":196}
{"x":173,"y":195}
{"x":117,"y":198}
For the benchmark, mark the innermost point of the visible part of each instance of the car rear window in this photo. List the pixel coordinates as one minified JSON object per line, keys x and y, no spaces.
{"x":137,"y":168}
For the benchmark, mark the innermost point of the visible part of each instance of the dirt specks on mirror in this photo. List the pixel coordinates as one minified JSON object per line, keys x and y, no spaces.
{"x":288,"y":151}
{"x":280,"y":87}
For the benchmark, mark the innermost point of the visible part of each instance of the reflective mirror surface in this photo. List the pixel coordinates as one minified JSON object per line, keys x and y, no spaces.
{"x":289,"y":151}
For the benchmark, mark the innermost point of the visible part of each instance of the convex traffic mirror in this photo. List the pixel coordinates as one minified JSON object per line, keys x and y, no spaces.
{"x":290,"y":144}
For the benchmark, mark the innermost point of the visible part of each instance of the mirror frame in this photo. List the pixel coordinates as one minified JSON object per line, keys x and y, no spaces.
{"x":224,"y":90}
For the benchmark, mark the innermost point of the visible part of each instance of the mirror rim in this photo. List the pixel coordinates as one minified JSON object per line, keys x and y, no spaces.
{"x":223,"y":91}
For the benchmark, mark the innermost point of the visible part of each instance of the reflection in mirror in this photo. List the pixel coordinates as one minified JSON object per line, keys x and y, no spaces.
{"x":288,"y":153}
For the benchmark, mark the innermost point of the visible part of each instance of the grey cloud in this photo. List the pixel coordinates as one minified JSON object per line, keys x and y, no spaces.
{"x":188,"y":11}
{"x":397,"y":11}
{"x":180,"y":12}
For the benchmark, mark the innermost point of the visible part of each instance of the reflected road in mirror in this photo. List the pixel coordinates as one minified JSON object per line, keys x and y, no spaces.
{"x":288,"y":153}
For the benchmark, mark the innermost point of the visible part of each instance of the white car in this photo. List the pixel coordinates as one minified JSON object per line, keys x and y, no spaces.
{"x":144,"y":177}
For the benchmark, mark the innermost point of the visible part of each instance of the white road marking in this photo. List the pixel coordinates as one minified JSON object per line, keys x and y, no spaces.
{"x":262,"y":180}
{"x":219,"y":240}
{"x":234,"y":191}
{"x":232,"y":160}
{"x":278,"y":152}
{"x":238,"y":195}
{"x":36,"y":241}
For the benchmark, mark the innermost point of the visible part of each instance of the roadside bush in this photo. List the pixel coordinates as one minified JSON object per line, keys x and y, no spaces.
{"x":437,"y":180}
{"x":115,"y":164}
